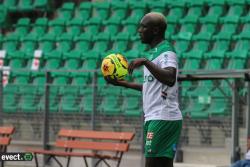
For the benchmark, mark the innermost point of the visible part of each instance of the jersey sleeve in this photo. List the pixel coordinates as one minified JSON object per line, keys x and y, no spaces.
{"x":168,"y":59}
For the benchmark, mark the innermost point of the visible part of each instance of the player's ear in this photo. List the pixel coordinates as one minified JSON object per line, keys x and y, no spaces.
{"x":156,"y":30}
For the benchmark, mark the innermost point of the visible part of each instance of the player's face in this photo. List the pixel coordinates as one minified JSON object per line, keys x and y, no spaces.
{"x":146,"y":31}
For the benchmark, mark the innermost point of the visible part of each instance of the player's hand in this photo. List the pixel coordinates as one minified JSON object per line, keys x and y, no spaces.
{"x":135,"y":64}
{"x":114,"y":82}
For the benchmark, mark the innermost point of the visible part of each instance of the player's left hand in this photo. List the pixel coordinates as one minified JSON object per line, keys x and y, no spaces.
{"x":135,"y":64}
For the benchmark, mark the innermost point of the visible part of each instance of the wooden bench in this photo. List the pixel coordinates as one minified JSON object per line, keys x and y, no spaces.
{"x":88,"y":144}
{"x":5,"y":138}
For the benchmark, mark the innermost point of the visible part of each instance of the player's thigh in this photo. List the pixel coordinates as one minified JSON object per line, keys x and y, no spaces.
{"x":159,"y":162}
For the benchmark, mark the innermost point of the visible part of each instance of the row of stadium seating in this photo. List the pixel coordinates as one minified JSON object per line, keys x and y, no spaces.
{"x":24,"y":5}
{"x":206,"y":35}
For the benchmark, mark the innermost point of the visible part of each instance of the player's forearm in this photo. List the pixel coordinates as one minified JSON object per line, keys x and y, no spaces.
{"x":131,"y":85}
{"x":165,"y":76}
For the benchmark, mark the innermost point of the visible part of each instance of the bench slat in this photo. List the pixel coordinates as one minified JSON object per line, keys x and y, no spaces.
{"x":99,"y":146}
{"x":7,"y":130}
{"x":4,"y":141}
{"x":96,"y":134}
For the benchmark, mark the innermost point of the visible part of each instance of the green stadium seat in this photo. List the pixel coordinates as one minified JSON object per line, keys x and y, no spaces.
{"x":223,"y":90}
{"x":111,"y":26}
{"x":20,"y":78}
{"x":22,"y":27}
{"x":93,"y":25}
{"x":80,"y":79}
{"x":38,"y":79}
{"x":40,"y":27}
{"x":10,"y":43}
{"x":101,"y":10}
{"x":214,"y":60}
{"x":66,"y":12}
{"x":192,"y":60}
{"x":202,"y":89}
{"x":206,"y":32}
{"x":87,"y":104}
{"x":175,"y":14}
{"x":138,"y":76}
{"x":56,"y":27}
{"x":28,"y":44}
{"x":218,"y":51}
{"x":240,"y":50}
{"x":47,"y":43}
{"x":17,"y":60}
{"x":171,"y":30}
{"x":131,"y":104}
{"x":244,"y":33}
{"x":84,"y":11}
{"x":137,"y":9}
{"x":10,"y":103}
{"x":136,"y":44}
{"x":70,"y":103}
{"x":42,"y":4}
{"x":214,"y":13}
{"x":198,"y":49}
{"x":130,"y":25}
{"x":91,"y":60}
{"x":25,"y":5}
{"x":234,"y":13}
{"x":54,"y":102}
{"x":11,"y":5}
{"x":181,"y":46}
{"x":29,"y":103}
{"x":110,"y":104}
{"x":101,"y":42}
{"x":3,"y":16}
{"x":192,"y":15}
{"x":72,"y":59}
{"x":186,"y":31}
{"x":119,"y":10}
{"x":83,"y":41}
{"x":218,"y":107}
{"x":131,"y":54}
{"x":158,"y":6}
{"x":226,"y":32}
{"x":75,"y":26}
{"x":53,"y":60}
{"x":60,"y":78}
{"x":120,"y":42}
{"x":64,"y":42}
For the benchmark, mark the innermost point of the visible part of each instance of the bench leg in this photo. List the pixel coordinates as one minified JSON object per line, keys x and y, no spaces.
{"x":58,"y":162}
{"x":85,"y":161}
{"x":68,"y":161}
{"x":100,"y":160}
{"x":36,"y":161}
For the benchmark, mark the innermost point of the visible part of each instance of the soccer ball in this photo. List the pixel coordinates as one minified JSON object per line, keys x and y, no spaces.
{"x":115,"y":66}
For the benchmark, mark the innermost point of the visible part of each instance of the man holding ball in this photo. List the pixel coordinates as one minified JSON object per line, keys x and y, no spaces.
{"x":163,"y":118}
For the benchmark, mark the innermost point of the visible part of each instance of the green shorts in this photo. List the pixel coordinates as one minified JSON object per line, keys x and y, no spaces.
{"x":161,"y":137}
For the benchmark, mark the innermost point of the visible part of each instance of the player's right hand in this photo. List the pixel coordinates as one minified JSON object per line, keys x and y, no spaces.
{"x":115,"y":82}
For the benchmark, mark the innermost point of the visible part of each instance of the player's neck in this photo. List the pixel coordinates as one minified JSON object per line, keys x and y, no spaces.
{"x":155,"y":42}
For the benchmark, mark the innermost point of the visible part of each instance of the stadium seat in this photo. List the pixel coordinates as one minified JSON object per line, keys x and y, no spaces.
{"x":181,"y":46}
{"x":120,"y":43}
{"x":234,"y":13}
{"x":60,"y":78}
{"x":130,"y":25}
{"x":11,"y":5}
{"x":47,"y":43}
{"x":10,"y":43}
{"x":38,"y":79}
{"x":156,"y":7}
{"x":137,"y":9}
{"x":42,"y":5}
{"x":80,"y":79}
{"x":3,"y":16}
{"x":101,"y":10}
{"x":56,"y":27}
{"x":29,"y":102}
{"x":218,"y":107}
{"x":25,"y":5}
{"x":75,"y":27}
{"x":186,"y":31}
{"x":136,"y":44}
{"x":22,"y":27}
{"x":193,"y":14}
{"x":226,"y":32}
{"x":216,"y":9}
{"x":87,"y":104}
{"x":82,"y":42}
{"x":111,"y":26}
{"x":206,"y":32}
{"x":52,"y":60}
{"x":91,"y":60}
{"x":244,"y":33}
{"x":64,"y":42}
{"x":175,"y":13}
{"x":28,"y":44}
{"x":20,"y":78}
{"x":92,"y":25}
{"x":83,"y":12}
{"x":66,"y":12}
{"x":119,"y":10}
{"x":40,"y":27}
{"x":223,"y":90}
{"x":101,"y":42}
{"x":192,"y":60}
{"x":10,"y":103}
{"x":70,"y":104}
{"x":17,"y":60}
{"x":131,"y":104}
{"x":203,"y":88}
{"x":198,"y":49}
{"x":72,"y":59}
{"x":131,"y":54}
{"x":110,"y":103}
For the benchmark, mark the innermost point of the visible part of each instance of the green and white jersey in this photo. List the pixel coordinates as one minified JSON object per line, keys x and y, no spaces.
{"x":160,"y":102}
